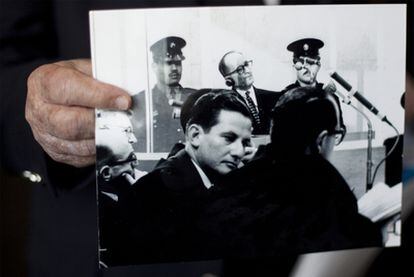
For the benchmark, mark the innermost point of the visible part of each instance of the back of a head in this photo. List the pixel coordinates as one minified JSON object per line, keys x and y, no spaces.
{"x":298,"y":118}
{"x":207,"y":107}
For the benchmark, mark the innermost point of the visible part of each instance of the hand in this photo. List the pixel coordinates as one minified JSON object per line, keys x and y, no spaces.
{"x":132,"y":179}
{"x":61,"y":98}
{"x":329,"y":87}
{"x":250,"y":151}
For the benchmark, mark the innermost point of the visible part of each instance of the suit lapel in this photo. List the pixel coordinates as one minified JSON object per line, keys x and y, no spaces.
{"x":185,"y":171}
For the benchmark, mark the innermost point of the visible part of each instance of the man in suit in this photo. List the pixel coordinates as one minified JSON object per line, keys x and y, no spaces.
{"x":158,"y":221}
{"x":115,"y":138}
{"x":237,"y":72}
{"x":167,"y":66}
{"x":291,"y":200}
{"x":116,"y":162}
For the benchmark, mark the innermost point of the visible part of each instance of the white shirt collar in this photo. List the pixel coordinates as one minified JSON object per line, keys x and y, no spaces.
{"x":252,"y":94}
{"x":206,"y":181}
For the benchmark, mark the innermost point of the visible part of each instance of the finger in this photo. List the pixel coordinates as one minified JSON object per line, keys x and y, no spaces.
{"x":69,"y":123}
{"x":67,"y":86}
{"x":250,"y":149}
{"x":79,"y":148}
{"x":83,"y":65}
{"x":74,"y":160}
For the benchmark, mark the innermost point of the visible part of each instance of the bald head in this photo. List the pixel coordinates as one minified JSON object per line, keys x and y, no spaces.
{"x":117,"y":146}
{"x":236,"y":70}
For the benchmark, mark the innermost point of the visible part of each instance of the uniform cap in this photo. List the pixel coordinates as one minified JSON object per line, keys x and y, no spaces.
{"x":307,"y":47}
{"x":168,"y":49}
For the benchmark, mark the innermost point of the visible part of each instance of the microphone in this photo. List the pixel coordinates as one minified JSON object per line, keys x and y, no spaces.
{"x":354,"y":93}
{"x":330,"y":87}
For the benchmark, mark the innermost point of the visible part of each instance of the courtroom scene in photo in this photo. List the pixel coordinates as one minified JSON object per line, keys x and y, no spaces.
{"x":250,"y":136}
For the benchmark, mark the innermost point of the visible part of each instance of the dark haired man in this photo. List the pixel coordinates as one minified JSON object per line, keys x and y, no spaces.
{"x":165,"y":202}
{"x":237,"y":72}
{"x":167,"y":66}
{"x":291,"y":200}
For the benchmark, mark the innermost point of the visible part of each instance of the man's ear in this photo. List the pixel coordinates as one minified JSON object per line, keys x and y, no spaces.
{"x":321,"y":140}
{"x":106,"y":172}
{"x":154,"y":66}
{"x":229,"y":81}
{"x":194,"y":135}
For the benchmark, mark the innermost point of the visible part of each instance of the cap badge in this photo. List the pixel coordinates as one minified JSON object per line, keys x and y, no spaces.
{"x":172,"y":45}
{"x":306,"y":47}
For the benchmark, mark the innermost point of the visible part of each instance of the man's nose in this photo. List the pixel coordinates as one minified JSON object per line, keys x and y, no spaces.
{"x":247,"y":69}
{"x":306,"y":65}
{"x":132,"y":138}
{"x":237,"y":150}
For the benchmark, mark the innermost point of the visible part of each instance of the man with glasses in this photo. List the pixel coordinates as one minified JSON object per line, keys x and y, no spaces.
{"x":291,"y":200}
{"x":237,"y":72}
{"x":116,"y":171}
{"x":158,"y":221}
{"x":306,"y":62}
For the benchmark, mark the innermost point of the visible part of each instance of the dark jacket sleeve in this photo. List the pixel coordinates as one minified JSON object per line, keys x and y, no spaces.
{"x":28,"y":40}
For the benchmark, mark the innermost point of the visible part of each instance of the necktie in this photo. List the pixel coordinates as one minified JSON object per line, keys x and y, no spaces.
{"x":252,"y":108}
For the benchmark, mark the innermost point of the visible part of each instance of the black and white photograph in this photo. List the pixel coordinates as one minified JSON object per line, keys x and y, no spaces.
{"x":254,"y":132}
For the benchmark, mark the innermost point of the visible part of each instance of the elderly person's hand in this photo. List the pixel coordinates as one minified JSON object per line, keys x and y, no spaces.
{"x":60,"y":104}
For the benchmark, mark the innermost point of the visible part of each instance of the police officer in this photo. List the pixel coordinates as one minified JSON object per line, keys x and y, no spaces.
{"x":307,"y":62}
{"x":167,"y":94}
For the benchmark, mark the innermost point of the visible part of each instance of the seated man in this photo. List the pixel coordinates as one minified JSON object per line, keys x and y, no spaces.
{"x":163,"y":204}
{"x":291,"y":200}
{"x":237,"y":73}
{"x":115,"y":168}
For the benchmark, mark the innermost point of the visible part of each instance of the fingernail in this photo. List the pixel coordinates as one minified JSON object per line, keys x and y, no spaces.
{"x":122,"y":103}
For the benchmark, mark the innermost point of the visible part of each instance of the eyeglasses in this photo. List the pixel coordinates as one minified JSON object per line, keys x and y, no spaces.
{"x":242,"y":68}
{"x":132,"y":158}
{"x":299,"y":63}
{"x":339,"y":135}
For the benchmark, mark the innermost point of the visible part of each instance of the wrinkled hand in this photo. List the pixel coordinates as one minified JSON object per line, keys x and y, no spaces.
{"x":60,"y":104}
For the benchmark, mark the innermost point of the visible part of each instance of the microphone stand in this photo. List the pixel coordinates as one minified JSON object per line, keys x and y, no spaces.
{"x":370,"y":136}
{"x":370,"y":178}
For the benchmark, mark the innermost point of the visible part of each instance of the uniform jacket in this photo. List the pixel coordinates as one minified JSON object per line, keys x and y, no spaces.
{"x":166,"y":125}
{"x":296,"y":85}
